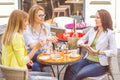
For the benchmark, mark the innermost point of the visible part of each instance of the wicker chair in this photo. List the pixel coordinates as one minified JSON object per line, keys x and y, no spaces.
{"x":13,"y":73}
{"x":10,"y":73}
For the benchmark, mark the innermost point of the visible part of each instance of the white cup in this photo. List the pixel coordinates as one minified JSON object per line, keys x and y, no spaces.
{"x":74,"y":52}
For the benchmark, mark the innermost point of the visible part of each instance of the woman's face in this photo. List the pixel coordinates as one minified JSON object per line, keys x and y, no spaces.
{"x":39,"y":17}
{"x":98,"y":20}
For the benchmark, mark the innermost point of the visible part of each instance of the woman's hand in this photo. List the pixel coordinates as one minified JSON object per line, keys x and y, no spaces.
{"x":91,"y":50}
{"x":84,"y":45}
{"x":30,"y":63}
{"x":53,"y":39}
{"x":39,"y":44}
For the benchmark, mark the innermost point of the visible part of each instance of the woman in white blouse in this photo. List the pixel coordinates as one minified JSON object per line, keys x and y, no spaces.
{"x":100,"y":45}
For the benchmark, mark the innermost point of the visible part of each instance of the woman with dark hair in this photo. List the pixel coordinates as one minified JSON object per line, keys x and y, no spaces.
{"x":100,"y":47}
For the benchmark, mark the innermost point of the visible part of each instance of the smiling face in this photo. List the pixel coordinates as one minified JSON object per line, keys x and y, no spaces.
{"x":103,"y":20}
{"x":98,"y":20}
{"x":36,"y":15}
{"x":40,"y":17}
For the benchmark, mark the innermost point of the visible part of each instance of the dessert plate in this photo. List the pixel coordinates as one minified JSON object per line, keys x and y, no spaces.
{"x":44,"y":57}
{"x":73,"y":55}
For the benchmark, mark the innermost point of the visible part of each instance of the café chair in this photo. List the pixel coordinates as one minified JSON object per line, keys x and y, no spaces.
{"x":65,"y":6}
{"x":107,"y":76}
{"x":57,"y":10}
{"x":10,"y":73}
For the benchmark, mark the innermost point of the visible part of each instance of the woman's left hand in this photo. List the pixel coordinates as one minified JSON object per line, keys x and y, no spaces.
{"x":30,"y":63}
{"x":54,"y":39}
{"x":91,"y":50}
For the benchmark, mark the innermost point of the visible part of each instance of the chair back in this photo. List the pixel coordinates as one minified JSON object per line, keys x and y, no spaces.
{"x":55,"y":4}
{"x":58,"y":3}
{"x":11,"y":73}
{"x":52,"y":4}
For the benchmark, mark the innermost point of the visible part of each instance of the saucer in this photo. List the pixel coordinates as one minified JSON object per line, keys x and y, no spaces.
{"x":44,"y":57}
{"x":75,"y":55}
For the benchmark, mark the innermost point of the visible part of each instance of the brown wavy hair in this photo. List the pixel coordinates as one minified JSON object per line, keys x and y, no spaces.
{"x":105,"y":19}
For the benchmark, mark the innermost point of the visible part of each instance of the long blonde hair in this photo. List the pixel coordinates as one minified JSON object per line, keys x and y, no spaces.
{"x":15,"y":24}
{"x":32,"y":13}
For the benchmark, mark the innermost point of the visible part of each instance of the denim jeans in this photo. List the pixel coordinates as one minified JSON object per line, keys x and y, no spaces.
{"x":82,"y":69}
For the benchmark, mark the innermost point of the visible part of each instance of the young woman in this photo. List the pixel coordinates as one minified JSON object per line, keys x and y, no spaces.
{"x":14,"y":53}
{"x":36,"y":30}
{"x":100,"y":45}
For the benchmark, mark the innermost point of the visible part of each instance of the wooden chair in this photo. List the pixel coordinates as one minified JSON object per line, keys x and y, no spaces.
{"x":65,"y":6}
{"x":57,"y":10}
{"x":107,"y":76}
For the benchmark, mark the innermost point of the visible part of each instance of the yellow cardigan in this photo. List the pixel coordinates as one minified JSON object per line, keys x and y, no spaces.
{"x":13,"y":55}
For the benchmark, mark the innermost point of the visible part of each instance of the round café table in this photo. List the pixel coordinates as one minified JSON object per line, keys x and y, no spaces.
{"x":64,"y":60}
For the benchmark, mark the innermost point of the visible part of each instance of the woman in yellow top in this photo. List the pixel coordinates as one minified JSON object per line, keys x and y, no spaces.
{"x":14,"y":53}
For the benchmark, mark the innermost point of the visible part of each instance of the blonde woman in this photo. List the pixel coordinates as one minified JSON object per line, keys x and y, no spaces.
{"x":14,"y":53}
{"x":36,"y":30}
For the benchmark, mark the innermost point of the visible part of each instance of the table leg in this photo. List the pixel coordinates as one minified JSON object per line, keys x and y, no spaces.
{"x":58,"y":71}
{"x":52,"y":70}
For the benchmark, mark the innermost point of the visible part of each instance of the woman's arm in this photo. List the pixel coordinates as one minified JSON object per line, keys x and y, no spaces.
{"x":112,"y":47}
{"x":20,"y":51}
{"x":84,"y":40}
{"x":35,"y":48}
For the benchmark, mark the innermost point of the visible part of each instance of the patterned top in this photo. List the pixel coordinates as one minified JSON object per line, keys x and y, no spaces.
{"x":33,"y":37}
